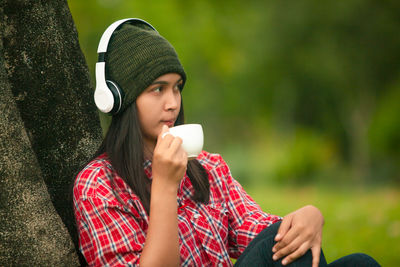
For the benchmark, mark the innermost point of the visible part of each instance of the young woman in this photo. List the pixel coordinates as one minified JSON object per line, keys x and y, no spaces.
{"x":140,"y":201}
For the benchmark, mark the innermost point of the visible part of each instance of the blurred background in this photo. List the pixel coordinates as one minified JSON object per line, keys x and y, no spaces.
{"x":301,"y":98}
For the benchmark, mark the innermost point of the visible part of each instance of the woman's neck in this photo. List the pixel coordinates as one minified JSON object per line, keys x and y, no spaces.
{"x":148,"y":149}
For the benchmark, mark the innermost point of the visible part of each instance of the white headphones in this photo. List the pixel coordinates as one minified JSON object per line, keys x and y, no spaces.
{"x":108,"y":96}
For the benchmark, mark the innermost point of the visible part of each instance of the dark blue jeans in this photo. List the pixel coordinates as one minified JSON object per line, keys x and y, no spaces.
{"x":259,"y":253}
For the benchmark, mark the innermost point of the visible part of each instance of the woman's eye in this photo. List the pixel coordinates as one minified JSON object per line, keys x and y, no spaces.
{"x":179,"y":87}
{"x":157,"y":89}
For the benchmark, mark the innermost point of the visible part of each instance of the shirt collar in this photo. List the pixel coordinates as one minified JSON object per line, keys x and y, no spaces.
{"x":147,"y":168}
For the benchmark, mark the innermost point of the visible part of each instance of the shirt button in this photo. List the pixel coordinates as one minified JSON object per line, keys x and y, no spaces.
{"x":196,"y":216}
{"x":220,"y":265}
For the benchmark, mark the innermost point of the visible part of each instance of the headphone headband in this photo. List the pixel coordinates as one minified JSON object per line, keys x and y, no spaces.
{"x":105,"y":38}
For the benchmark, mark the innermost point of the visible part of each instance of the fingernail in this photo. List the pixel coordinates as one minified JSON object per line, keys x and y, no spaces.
{"x":274,"y":249}
{"x":284,"y":262}
{"x":274,"y":257}
{"x":278,"y":236}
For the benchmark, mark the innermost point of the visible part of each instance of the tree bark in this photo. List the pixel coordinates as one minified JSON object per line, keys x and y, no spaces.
{"x":32,"y":234}
{"x":49,"y":127}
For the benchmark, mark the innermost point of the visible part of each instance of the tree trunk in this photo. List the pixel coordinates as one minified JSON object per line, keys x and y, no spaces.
{"x":48,"y":127}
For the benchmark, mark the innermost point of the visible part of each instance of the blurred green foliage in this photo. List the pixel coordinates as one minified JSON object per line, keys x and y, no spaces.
{"x":356,"y":220}
{"x":287,"y":91}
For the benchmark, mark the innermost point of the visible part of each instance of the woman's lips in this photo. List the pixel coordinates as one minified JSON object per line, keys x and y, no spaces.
{"x":169,"y":123}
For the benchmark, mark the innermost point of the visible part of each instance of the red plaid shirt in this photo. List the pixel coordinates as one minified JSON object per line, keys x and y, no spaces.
{"x":113,"y":234}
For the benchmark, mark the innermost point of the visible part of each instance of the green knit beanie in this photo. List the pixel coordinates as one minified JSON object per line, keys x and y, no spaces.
{"x":136,"y":56}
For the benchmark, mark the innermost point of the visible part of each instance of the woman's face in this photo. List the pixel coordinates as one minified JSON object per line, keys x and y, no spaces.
{"x":159,"y":105}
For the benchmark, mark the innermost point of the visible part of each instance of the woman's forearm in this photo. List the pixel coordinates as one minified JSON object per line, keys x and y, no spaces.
{"x":162,"y":242}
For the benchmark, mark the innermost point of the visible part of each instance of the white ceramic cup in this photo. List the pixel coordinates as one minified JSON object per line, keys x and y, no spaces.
{"x":192,"y":137}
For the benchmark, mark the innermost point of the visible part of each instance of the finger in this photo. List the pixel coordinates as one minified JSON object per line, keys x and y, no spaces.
{"x":296,"y":254}
{"x":160,"y":136}
{"x":164,"y":140}
{"x":283,"y":228}
{"x":176,"y":144}
{"x":288,"y":238}
{"x":176,"y":151}
{"x":288,"y":249}
{"x":316,"y":254}
{"x":164,"y":134}
{"x":164,"y":129}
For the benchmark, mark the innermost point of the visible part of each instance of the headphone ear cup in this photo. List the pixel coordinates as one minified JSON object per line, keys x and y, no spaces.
{"x":103,"y":98}
{"x":117,"y":95}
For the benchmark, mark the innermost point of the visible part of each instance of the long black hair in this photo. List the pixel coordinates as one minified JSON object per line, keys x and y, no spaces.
{"x":124,"y":146}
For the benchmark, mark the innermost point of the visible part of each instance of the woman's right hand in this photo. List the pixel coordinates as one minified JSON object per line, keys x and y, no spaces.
{"x":169,"y":159}
{"x":169,"y":166}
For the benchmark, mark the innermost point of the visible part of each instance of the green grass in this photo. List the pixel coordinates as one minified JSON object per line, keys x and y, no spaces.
{"x":356,"y":220}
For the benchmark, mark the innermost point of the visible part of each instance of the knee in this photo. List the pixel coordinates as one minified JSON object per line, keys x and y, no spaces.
{"x":273,"y":228}
{"x":266,"y":238}
{"x":365,"y":260}
{"x":269,"y":233}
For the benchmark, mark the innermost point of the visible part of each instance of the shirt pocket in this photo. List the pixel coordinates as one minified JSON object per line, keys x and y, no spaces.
{"x":210,"y":223}
{"x":218,"y":219}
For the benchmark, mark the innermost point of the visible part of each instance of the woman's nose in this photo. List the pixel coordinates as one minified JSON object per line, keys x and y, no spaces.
{"x":172,"y":99}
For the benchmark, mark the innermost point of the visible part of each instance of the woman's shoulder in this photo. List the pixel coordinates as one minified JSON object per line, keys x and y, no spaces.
{"x":93,"y":177}
{"x":211,"y":160}
{"x":219,"y":176}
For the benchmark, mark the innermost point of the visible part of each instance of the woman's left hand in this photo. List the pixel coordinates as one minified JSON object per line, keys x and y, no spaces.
{"x":299,"y":231}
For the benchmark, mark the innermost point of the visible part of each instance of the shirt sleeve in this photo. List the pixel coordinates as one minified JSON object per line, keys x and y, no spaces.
{"x":246,"y":218}
{"x":108,"y":235}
